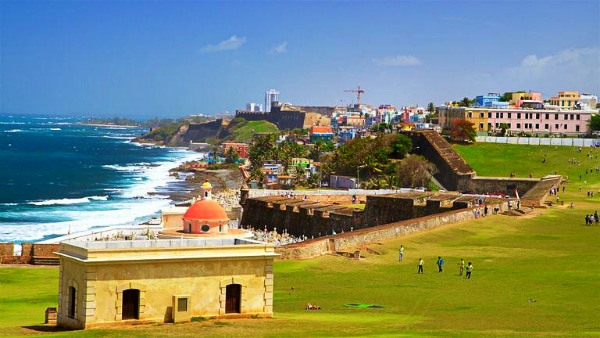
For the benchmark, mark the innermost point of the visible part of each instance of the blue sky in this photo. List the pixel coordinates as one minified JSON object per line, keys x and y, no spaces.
{"x":146,"y":59}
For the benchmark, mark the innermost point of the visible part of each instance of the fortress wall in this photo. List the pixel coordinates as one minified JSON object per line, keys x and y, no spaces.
{"x":252,"y":116}
{"x":453,"y":171}
{"x":501,"y":185}
{"x":28,"y":252}
{"x":358,"y":238}
{"x":201,"y":131}
{"x":310,"y":219}
{"x":386,"y":209}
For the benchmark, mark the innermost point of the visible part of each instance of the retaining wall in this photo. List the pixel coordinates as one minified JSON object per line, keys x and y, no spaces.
{"x":356,"y":239}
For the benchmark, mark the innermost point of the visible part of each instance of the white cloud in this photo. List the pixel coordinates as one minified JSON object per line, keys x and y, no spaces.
{"x":397,"y":61}
{"x":230,"y":44}
{"x":569,"y":69}
{"x":279,"y":49}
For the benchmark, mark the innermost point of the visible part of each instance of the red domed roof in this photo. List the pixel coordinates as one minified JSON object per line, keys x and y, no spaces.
{"x":206,"y":210}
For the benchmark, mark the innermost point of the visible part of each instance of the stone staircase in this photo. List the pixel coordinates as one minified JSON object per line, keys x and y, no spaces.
{"x":536,"y":195}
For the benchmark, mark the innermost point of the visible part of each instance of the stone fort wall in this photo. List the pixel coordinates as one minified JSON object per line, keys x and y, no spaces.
{"x":30,"y":253}
{"x":355,"y":240}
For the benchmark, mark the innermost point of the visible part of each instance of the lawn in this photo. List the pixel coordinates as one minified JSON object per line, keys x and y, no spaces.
{"x":534,"y":276}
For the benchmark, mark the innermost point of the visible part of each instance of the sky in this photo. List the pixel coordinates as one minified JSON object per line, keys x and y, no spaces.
{"x":169,"y":59}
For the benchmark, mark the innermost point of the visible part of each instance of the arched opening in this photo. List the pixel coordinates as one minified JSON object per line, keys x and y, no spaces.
{"x":131,"y":304}
{"x":72,"y":301}
{"x":233,"y":297}
{"x":190,"y":228}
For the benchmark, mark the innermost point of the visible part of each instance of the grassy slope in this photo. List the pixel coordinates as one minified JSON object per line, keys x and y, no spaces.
{"x":244,"y":131}
{"x":550,"y":257}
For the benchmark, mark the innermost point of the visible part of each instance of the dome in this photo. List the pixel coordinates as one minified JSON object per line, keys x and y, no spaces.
{"x":206,"y":210}
{"x":206,"y":185}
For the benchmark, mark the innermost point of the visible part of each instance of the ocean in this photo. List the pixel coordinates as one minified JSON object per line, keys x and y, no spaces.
{"x":58,"y":176}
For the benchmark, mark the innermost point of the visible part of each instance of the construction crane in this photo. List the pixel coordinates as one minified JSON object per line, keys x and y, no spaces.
{"x":358,"y":92}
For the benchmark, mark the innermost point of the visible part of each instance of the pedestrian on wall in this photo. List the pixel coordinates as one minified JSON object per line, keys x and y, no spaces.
{"x":401,"y":254}
{"x":420,"y":265}
{"x":469,"y":270}
{"x":440,"y":264}
{"x":461,"y":267}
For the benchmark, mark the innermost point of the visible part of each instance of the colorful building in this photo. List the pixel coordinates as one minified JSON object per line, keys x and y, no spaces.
{"x":565,"y":99}
{"x":321,"y":134}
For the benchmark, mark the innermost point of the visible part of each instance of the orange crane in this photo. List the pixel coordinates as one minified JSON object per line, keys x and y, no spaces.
{"x":358,"y":92}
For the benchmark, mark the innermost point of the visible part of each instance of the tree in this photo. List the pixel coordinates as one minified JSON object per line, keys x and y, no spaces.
{"x":463,"y":131}
{"x":261,"y":149}
{"x":595,"y":122}
{"x":431,"y":108}
{"x":231,"y":156}
{"x":415,"y":171}
{"x":465,"y":102}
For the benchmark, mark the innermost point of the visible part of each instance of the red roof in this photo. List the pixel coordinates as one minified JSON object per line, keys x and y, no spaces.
{"x":206,"y":210}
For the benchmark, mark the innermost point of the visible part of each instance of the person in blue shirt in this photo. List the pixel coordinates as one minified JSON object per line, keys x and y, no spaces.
{"x":440,"y":264}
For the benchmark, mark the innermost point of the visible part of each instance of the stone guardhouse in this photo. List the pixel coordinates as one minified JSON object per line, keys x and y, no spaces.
{"x":156,"y":281}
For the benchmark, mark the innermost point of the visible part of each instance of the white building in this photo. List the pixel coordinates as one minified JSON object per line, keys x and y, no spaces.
{"x":271,"y":96}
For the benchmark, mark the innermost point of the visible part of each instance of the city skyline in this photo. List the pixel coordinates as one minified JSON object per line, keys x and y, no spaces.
{"x":171,"y":59}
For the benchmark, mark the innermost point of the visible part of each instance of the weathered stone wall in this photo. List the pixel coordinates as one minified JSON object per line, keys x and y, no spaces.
{"x":313,"y":219}
{"x":452,"y":169}
{"x":198,"y":132}
{"x":358,"y":238}
{"x":29,"y":252}
{"x":503,"y":185}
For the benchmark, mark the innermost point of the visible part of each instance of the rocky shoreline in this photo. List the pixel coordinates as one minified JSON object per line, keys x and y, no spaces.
{"x":222,"y":181}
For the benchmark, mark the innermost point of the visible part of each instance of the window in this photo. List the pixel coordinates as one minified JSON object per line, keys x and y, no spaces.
{"x":482,"y":115}
{"x":469,"y":115}
{"x":577,"y":128}
{"x":547,"y":116}
{"x":72,"y":302}
{"x":182,"y":304}
{"x":481,"y":126}
{"x":220,"y":228}
{"x":508,"y":115}
{"x":537,"y":116}
{"x":518,"y":115}
{"x":518,"y":125}
{"x":577,"y":117}
{"x":556,"y":116}
{"x":205,"y":228}
{"x":546,"y":126}
{"x":565,"y":126}
{"x":556,"y":126}
{"x":190,"y":228}
{"x":537,"y":126}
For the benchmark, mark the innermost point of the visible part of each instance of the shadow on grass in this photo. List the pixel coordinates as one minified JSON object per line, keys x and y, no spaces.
{"x":46,"y":328}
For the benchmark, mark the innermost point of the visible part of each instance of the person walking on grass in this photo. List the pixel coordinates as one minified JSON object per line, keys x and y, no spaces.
{"x":420,"y":265}
{"x":440,"y":264}
{"x":461,"y":267}
{"x":469,"y":270}
{"x":401,"y":254}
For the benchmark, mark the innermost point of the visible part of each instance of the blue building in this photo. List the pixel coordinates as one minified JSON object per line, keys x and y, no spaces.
{"x":487,"y":100}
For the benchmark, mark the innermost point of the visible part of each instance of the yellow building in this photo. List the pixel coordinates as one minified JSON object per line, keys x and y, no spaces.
{"x":565,"y":99}
{"x":139,"y":281}
{"x":477,"y":116}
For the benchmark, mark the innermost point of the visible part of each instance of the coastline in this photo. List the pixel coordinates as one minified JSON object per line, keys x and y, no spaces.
{"x":108,"y":125}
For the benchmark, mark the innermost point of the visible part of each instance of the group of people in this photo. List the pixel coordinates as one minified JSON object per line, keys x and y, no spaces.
{"x":440,"y":263}
{"x":592,"y":218}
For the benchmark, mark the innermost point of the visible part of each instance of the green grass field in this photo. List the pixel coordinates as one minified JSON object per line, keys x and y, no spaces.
{"x":549,"y":256}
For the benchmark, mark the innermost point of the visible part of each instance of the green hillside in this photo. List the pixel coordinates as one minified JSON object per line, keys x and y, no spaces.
{"x":240,"y":130}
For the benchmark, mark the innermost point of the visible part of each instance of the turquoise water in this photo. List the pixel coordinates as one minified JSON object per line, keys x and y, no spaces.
{"x":58,"y":176}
